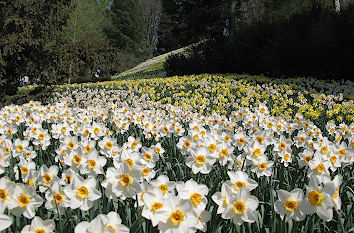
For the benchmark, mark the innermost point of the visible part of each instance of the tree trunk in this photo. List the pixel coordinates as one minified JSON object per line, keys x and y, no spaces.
{"x":337,"y":5}
{"x":70,"y":73}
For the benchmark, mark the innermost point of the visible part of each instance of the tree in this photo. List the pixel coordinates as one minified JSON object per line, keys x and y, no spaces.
{"x":84,"y":32}
{"x":87,"y":20}
{"x":29,"y":36}
{"x":152,"y":9}
{"x":127,"y":25}
{"x":184,"y":22}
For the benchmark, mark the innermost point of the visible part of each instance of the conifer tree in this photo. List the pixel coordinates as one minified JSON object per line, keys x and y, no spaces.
{"x":127,"y":25}
{"x":30,"y":31}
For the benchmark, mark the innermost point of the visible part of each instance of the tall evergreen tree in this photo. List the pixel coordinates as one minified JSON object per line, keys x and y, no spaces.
{"x":188,"y":21}
{"x":29,"y":35}
{"x":127,"y":25}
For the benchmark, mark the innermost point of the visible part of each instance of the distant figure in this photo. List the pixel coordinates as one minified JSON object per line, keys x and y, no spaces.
{"x":26,"y":80}
{"x":21,"y":81}
{"x":97,"y":73}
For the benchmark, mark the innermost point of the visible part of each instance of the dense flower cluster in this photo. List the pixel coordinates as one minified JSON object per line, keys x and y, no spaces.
{"x":64,"y":158}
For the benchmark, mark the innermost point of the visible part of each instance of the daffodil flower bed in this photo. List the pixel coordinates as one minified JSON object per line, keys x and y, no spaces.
{"x":184,"y":154}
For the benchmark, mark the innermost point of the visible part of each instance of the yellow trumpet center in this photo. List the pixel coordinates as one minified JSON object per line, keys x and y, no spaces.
{"x":156,"y":206}
{"x":40,"y":230}
{"x":341,"y":152}
{"x":282,"y":146}
{"x":186,"y":144}
{"x":315,"y":198}
{"x":320,"y":168}
{"x":91,"y":164}
{"x":88,"y":149}
{"x":257,"y":152}
{"x":176,"y":217}
{"x":212,"y":148}
{"x":195,"y":198}
{"x":240,"y":184}
{"x":134,"y":144}
{"x":200,"y":159}
{"x":333,"y":159}
{"x":290,"y":205}
{"x":23,"y":200}
{"x":260,"y":139}
{"x":224,"y":153}
{"x":83,"y":192}
{"x":125,"y":180}
{"x":3,"y":195}
{"x":58,"y":198}
{"x":145,"y":171}
{"x":324,"y":150}
{"x":19,"y":148}
{"x":24,"y":170}
{"x":130,"y":162}
{"x":239,"y":207}
{"x":110,"y":227}
{"x":262,"y":166}
{"x":163,"y":188}
{"x":77,"y":159}
{"x":108,"y":145}
{"x":71,"y":145}
{"x":286,"y":157}
{"x":241,"y":140}
{"x":47,"y":178}
{"x":147,"y":157}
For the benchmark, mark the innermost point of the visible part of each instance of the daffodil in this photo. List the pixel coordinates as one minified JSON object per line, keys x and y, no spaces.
{"x":39,"y":225}
{"x":82,"y":192}
{"x":290,"y":205}
{"x":241,"y":207}
{"x":23,"y":201}
{"x":180,"y":216}
{"x":319,"y":197}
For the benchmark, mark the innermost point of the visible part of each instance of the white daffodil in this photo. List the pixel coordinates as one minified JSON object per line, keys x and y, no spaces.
{"x":318,"y":166}
{"x":305,"y":157}
{"x":185,"y":145}
{"x":23,"y":201}
{"x":155,"y":207}
{"x":164,"y":184}
{"x":122,"y":182}
{"x":262,"y":167}
{"x":5,"y":222}
{"x":255,"y":151}
{"x":39,"y":225}
{"x":5,"y":192}
{"x":201,"y":160}
{"x":110,"y":223}
{"x":319,"y":197}
{"x":203,"y":218}
{"x":108,"y":146}
{"x":222,"y":199}
{"x":82,"y":193}
{"x":56,"y":199}
{"x":48,"y":176}
{"x":337,"y":180}
{"x":94,"y":164}
{"x":239,"y":180}
{"x":196,"y":193}
{"x":180,"y":216}
{"x":225,"y":153}
{"x":241,"y":207}
{"x":290,"y":205}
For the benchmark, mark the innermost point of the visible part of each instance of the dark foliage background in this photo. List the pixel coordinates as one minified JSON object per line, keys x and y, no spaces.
{"x":316,"y":42}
